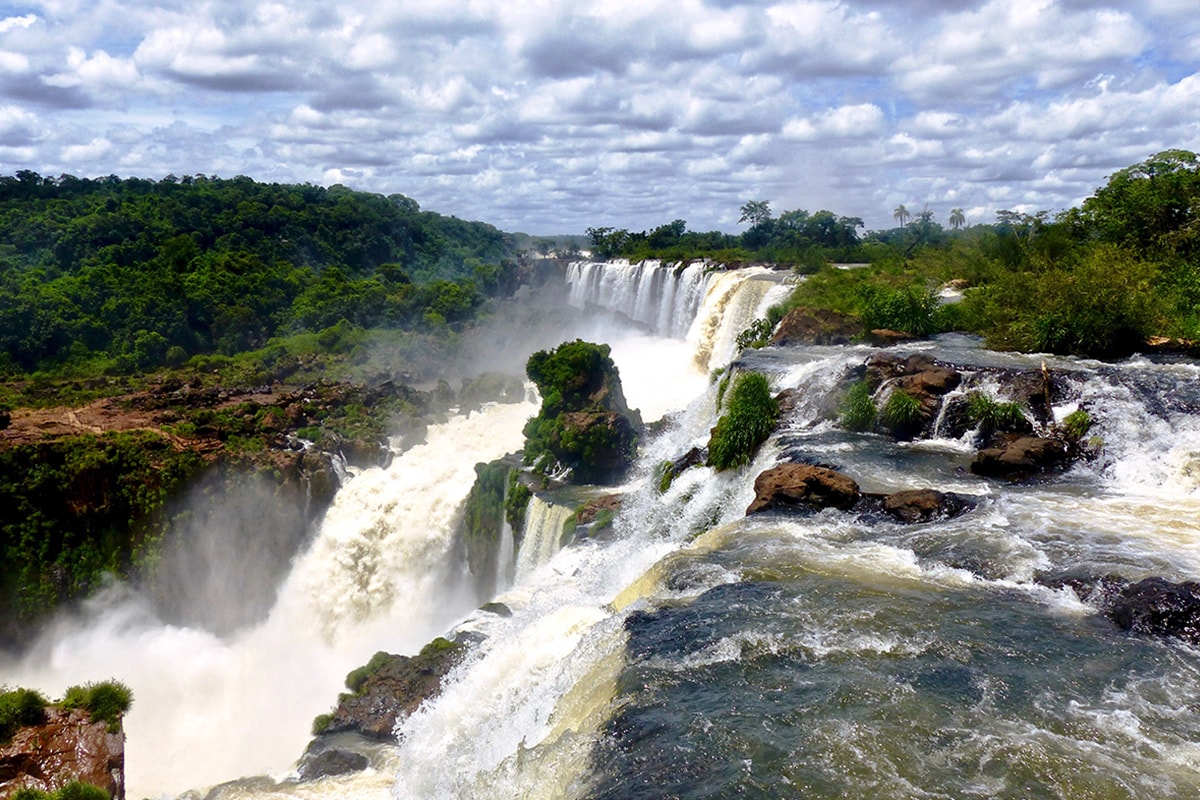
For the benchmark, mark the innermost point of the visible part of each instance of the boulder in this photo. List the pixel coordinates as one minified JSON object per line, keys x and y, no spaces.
{"x":69,"y":746}
{"x":802,"y":487}
{"x":1159,"y":607}
{"x":918,"y":376}
{"x":588,"y":512}
{"x":491,"y":387}
{"x":885,"y":337}
{"x":394,"y":691}
{"x":923,"y":505}
{"x":815,"y":326}
{"x":600,"y":445}
{"x":1021,"y":457}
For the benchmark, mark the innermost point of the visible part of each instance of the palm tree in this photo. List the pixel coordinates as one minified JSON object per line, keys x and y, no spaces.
{"x":901,"y":215}
{"x":957,"y":218}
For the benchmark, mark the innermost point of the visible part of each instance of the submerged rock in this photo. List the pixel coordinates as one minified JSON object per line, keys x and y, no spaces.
{"x":802,"y":487}
{"x":1159,"y":607}
{"x":923,"y":505}
{"x":68,"y":746}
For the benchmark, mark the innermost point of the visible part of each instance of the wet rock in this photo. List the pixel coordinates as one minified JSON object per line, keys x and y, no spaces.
{"x":329,"y":762}
{"x":918,"y":376}
{"x":884,"y":337}
{"x":364,"y":452}
{"x":923,"y":505}
{"x":1159,"y":607}
{"x":588,"y":512}
{"x":394,"y":690}
{"x":69,"y":746}
{"x":802,"y":487}
{"x":815,"y":326}
{"x":491,"y":387}
{"x":670,"y":470}
{"x":600,"y":444}
{"x":1021,"y":457}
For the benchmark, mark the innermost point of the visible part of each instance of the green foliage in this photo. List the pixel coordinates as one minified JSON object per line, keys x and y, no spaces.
{"x":75,"y":790}
{"x":131,"y":274}
{"x":74,"y":508}
{"x":516,"y":501}
{"x":321,"y":723}
{"x":18,"y":708}
{"x":106,"y":701}
{"x":757,"y":335}
{"x":858,"y":412}
{"x":357,"y":677}
{"x":911,"y":309}
{"x":985,"y":410}
{"x":901,"y":413}
{"x":745,"y":425}
{"x":1076,"y":424}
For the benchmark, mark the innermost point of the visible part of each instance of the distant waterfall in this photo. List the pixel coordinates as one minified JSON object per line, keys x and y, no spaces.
{"x":700,"y":302}
{"x":543,"y":535}
{"x":664,"y":297}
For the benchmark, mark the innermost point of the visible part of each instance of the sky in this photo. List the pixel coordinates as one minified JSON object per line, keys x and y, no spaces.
{"x":551,"y":116}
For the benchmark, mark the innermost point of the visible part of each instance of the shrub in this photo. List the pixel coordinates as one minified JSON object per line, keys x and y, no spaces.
{"x":746,"y":424}
{"x":19,"y":708}
{"x":901,"y":414}
{"x":858,"y":410}
{"x":1076,"y":424}
{"x":105,"y":701}
{"x":75,"y":790}
{"x":321,"y":723}
{"x":912,"y":309}
{"x":357,"y":677}
{"x":757,"y":335}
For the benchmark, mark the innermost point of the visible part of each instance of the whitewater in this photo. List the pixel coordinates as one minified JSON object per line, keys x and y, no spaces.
{"x":696,"y":652}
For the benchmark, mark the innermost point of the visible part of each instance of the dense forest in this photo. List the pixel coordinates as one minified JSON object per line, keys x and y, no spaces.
{"x":1101,"y":279}
{"x":116,"y":275}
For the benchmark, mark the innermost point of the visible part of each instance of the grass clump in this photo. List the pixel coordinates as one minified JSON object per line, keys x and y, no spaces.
{"x":75,"y":790}
{"x":1076,"y":424}
{"x":993,"y":415}
{"x":858,"y":412}
{"x":901,"y":414}
{"x":747,"y":423}
{"x":321,"y":723}
{"x":357,"y":677}
{"x":105,"y":701}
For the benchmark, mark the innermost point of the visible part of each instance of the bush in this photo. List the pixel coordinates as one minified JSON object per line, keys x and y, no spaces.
{"x":357,"y":677}
{"x":105,"y":701}
{"x":757,"y":335}
{"x":321,"y":723}
{"x":912,"y":309}
{"x":858,"y":412}
{"x":750,"y":418}
{"x":1076,"y":424}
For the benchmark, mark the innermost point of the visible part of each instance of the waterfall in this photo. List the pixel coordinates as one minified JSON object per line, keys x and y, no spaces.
{"x":543,"y":535}
{"x":663,"y":297}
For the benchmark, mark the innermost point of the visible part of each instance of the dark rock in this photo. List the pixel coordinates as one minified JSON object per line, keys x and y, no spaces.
{"x":69,"y":746}
{"x":395,"y":690}
{"x":331,"y":762}
{"x":601,"y":444}
{"x":923,"y":505}
{"x":815,"y":326}
{"x":1159,"y":607}
{"x":883,"y":337}
{"x":802,"y":487}
{"x":588,"y":512}
{"x":499,"y":609}
{"x":491,"y":387}
{"x":364,"y":452}
{"x":1021,"y":457}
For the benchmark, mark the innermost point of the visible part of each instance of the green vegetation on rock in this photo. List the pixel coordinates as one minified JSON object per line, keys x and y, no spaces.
{"x":858,"y":412}
{"x":19,"y":708}
{"x":106,"y":701}
{"x":901,"y":413}
{"x":584,"y":424}
{"x":748,"y":420}
{"x":75,"y":790}
{"x":992,"y":415}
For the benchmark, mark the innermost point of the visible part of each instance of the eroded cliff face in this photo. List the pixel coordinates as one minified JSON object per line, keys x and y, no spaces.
{"x":68,"y":747}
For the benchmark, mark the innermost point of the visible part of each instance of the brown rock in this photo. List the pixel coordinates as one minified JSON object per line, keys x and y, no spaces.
{"x":1020,"y":457}
{"x":802,"y":487}
{"x":68,"y":747}
{"x":591,"y":509}
{"x":820,"y":326}
{"x":885,"y":337}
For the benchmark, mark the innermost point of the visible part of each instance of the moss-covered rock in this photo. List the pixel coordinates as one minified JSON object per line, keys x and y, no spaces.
{"x":584,"y":425}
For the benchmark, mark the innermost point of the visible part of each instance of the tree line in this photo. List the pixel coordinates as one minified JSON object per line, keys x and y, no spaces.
{"x":133,"y":274}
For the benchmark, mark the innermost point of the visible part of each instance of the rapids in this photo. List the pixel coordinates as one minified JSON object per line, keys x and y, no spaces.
{"x":698,"y":653}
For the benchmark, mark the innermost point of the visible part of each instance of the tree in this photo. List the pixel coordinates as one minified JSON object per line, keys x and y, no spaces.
{"x":901,"y":215}
{"x":957,"y":218}
{"x":755,"y":212}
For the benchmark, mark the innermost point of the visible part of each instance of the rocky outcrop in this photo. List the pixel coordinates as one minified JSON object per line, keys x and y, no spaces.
{"x":815,"y":326}
{"x":68,"y":747}
{"x":490,"y":387}
{"x":918,"y":377}
{"x":396,"y":687}
{"x":1021,"y":457}
{"x":925,"y":505}
{"x":802,"y":487}
{"x":584,"y":424}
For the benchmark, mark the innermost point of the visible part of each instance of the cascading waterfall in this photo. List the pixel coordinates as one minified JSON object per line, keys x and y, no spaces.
{"x":542,"y":537}
{"x":664,"y":297}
